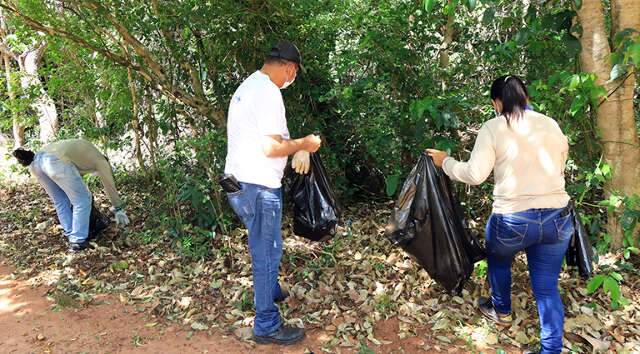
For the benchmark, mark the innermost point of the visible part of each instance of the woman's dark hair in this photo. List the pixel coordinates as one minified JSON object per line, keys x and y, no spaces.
{"x":24,"y":156}
{"x":513,"y":94}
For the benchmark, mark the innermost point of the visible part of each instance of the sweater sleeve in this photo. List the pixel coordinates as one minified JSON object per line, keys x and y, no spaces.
{"x":103,"y":170}
{"x":480,"y":164}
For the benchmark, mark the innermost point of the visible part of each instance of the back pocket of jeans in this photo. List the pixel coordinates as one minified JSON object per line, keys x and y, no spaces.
{"x":564,"y":227}
{"x":511,"y":234}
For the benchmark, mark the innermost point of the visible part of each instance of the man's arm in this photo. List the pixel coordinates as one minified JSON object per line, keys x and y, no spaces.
{"x":103,"y":170}
{"x":276,"y":146}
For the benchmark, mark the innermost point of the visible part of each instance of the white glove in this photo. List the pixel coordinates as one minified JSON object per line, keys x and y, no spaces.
{"x":121,"y":218}
{"x":300,"y":162}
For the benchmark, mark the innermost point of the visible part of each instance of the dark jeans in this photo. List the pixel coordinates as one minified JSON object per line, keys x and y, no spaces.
{"x":544,"y":235}
{"x":260,"y":209}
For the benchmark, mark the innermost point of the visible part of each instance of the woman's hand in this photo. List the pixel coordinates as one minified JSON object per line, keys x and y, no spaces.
{"x":437,"y":156}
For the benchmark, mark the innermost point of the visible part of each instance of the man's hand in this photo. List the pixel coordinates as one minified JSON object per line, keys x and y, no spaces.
{"x":300,"y":162}
{"x":312,"y":143}
{"x":121,"y":218}
{"x":276,"y":146}
{"x":437,"y":156}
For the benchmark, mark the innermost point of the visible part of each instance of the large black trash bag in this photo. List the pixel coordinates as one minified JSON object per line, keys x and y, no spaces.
{"x":315,"y":210}
{"x":428,"y":223}
{"x":580,"y":252}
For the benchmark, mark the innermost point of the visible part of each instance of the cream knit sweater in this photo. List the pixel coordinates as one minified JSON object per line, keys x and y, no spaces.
{"x":527,"y":159}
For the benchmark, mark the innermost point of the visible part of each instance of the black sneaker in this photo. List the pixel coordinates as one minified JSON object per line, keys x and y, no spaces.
{"x":283,"y":296}
{"x":286,"y":335}
{"x":78,"y":247}
{"x":487,"y":308}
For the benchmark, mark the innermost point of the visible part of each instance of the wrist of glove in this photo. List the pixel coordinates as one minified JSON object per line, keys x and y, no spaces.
{"x":301,"y":162}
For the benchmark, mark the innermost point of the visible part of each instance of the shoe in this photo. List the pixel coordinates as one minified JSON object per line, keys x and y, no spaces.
{"x":78,"y":247}
{"x":286,"y":335}
{"x":283,"y":296}
{"x":487,"y":308}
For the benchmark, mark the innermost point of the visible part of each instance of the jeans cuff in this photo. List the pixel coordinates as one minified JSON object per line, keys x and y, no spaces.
{"x":501,"y":309}
{"x":268,"y":331}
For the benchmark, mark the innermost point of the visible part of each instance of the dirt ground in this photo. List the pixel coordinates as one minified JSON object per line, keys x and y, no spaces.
{"x":30,"y":324}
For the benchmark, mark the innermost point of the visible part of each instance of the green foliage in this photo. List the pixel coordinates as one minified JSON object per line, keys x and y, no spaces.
{"x":626,"y":53}
{"x":364,"y":349}
{"x":375,"y":87}
{"x":429,"y":4}
{"x":384,"y":303}
{"x":245,"y":303}
{"x":610,"y":285}
{"x":628,"y":207}
{"x":481,"y":269}
{"x":392,"y":183}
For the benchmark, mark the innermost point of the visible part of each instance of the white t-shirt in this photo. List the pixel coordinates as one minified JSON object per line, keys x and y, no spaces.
{"x":256,"y":111}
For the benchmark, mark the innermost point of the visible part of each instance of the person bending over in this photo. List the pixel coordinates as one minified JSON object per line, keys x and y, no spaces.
{"x":59,"y":167}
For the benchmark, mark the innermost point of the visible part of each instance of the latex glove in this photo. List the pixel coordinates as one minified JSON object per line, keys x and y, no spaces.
{"x":300,"y":162}
{"x":121,"y":218}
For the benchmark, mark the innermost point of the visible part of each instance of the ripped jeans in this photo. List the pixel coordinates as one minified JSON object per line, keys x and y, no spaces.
{"x":260,"y":209}
{"x":544,"y":235}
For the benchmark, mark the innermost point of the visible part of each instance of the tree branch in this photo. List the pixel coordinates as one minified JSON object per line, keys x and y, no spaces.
{"x":152,"y":72}
{"x":69,"y":36}
{"x":4,"y":49}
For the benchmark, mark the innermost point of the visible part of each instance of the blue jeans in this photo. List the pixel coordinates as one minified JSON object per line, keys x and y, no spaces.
{"x":544,"y":235}
{"x":71,"y":197}
{"x":260,"y":209}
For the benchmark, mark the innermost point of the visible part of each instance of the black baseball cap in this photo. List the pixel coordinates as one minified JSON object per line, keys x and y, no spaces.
{"x":287,"y":51}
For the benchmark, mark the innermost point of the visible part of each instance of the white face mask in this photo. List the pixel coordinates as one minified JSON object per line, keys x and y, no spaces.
{"x":287,"y":83}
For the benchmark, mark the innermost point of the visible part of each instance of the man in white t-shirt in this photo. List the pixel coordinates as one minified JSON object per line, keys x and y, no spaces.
{"x":258,"y":147}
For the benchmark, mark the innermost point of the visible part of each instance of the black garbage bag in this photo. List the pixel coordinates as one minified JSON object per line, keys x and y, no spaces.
{"x":580,"y":252}
{"x":428,"y":223}
{"x":97,"y":222}
{"x":315,"y":211}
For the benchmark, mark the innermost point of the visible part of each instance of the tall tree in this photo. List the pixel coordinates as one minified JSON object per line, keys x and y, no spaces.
{"x":124,"y":48}
{"x":29,"y":60}
{"x":615,"y":116}
{"x":18,"y":128}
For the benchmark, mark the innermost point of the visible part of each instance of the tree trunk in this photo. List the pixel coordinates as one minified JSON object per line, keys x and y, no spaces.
{"x":615,"y":117}
{"x":18,"y":129}
{"x":7,"y":55}
{"x":152,"y":129}
{"x":448,"y":38}
{"x":134,"y":120}
{"x":43,"y":104}
{"x":630,"y":148}
{"x":626,"y":14}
